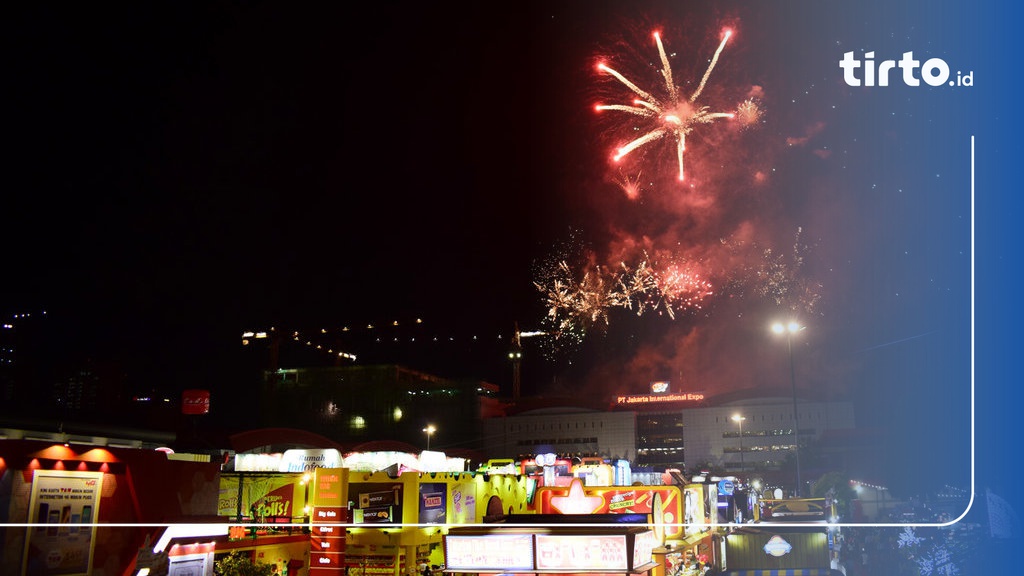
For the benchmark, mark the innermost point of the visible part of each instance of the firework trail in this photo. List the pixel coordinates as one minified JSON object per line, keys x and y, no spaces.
{"x":669,"y":116}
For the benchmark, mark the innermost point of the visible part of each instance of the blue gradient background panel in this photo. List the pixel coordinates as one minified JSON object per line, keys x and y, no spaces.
{"x":895,"y":196}
{"x":881,"y":178}
{"x":907,"y":175}
{"x":892,"y":199}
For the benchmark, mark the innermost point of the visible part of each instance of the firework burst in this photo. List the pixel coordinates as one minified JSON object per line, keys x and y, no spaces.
{"x":630,"y":185}
{"x":682,"y":288}
{"x":577,"y":304}
{"x":669,"y":115}
{"x":748,"y":113}
{"x":780,"y":279}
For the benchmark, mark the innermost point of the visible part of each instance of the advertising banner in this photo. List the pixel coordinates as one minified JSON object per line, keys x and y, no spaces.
{"x":376,"y":502}
{"x":63,"y":507}
{"x":694,"y":516}
{"x":463,"y":495}
{"x":263,"y":498}
{"x":433,"y":503}
{"x":663,"y":503}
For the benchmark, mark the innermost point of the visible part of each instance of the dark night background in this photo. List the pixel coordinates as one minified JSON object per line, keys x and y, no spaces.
{"x":178,"y":173}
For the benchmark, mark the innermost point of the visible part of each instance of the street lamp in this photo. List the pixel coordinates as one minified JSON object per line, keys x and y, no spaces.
{"x":789,"y":329}
{"x":430,"y":432}
{"x":739,"y":420}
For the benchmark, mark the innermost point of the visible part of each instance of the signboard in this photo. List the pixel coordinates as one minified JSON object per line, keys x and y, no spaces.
{"x":504,"y":552}
{"x":258,"y":462}
{"x":195,"y":402}
{"x":263,"y":498}
{"x":381,"y":498}
{"x":280,"y":504}
{"x":329,"y":487}
{"x":63,"y":507}
{"x":693,"y":509}
{"x":373,"y":515}
{"x":329,"y":499}
{"x":304,"y":460}
{"x":584,"y":552}
{"x":463,"y":495}
{"x":643,"y":548}
{"x":376,"y":502}
{"x":664,"y":503}
{"x":659,"y":398}
{"x":777,"y":546}
{"x":726,"y":487}
{"x":433,"y":502}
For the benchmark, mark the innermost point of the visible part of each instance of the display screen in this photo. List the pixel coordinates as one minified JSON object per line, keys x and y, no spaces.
{"x":506,"y":552}
{"x":582,"y":552}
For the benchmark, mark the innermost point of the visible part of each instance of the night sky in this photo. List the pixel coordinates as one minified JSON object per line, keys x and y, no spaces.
{"x":177,"y":173}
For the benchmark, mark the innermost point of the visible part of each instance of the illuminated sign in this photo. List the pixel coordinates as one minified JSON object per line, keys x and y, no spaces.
{"x":258,"y":462}
{"x":601,"y":553}
{"x":330,"y":487}
{"x":61,"y":505}
{"x":651,"y":399}
{"x":373,"y":515}
{"x":277,"y":504}
{"x":694,"y":518}
{"x":195,"y":402}
{"x":664,"y":502}
{"x":777,"y":546}
{"x":643,"y":548}
{"x":726,"y":487}
{"x":380,"y":498}
{"x":505,"y":552}
{"x":433,"y":503}
{"x":304,"y":460}
{"x":659,"y":387}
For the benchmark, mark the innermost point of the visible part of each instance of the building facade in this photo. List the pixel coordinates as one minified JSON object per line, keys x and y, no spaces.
{"x":564,"y":430}
{"x":681,"y":435}
{"x":712,"y":434}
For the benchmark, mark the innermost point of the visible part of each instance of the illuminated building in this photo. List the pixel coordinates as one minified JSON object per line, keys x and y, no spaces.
{"x":680,"y":430}
{"x":712,"y":435}
{"x":561,"y":429}
{"x":22,"y":358}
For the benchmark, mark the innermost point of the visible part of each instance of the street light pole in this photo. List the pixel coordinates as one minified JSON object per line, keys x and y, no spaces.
{"x":789,"y":330}
{"x":739,"y":419}
{"x":430,"y":431}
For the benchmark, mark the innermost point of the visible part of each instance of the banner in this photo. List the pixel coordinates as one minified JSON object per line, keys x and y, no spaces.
{"x":63,"y":507}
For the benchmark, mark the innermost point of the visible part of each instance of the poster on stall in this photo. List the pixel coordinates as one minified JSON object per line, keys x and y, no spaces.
{"x":63,"y":508}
